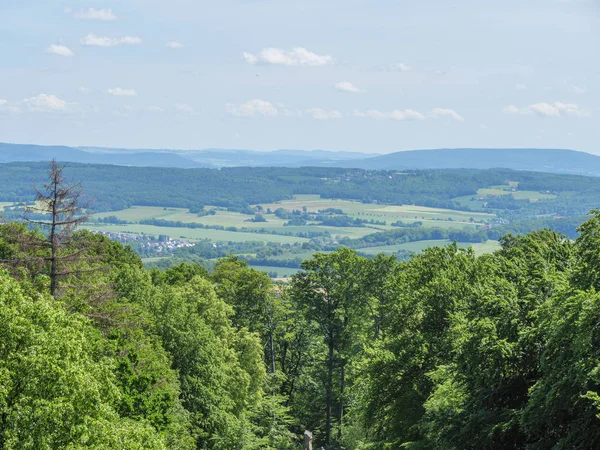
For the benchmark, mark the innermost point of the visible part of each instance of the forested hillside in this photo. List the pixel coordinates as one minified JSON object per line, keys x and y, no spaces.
{"x":444,"y":351}
{"x":118,"y":187}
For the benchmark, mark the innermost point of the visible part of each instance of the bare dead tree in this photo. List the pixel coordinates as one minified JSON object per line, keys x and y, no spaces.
{"x":61,"y":202}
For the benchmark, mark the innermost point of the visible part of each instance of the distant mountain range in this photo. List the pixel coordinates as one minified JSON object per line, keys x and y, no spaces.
{"x":211,"y":158}
{"x":541,"y":160}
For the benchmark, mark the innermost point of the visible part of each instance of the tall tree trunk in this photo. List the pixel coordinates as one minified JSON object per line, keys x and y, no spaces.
{"x":329,"y":390}
{"x":52,"y":237}
{"x":272,"y":350}
{"x":341,"y":409}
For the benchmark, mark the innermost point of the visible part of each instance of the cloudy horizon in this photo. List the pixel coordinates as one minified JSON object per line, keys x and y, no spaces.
{"x":373,"y":77}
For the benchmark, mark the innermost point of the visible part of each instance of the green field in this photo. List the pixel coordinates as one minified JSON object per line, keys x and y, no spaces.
{"x":532,"y":196}
{"x":430,"y":217}
{"x":154,"y":259}
{"x":230,"y":219}
{"x":486,"y":247}
{"x":195,"y":234}
{"x":406,"y":213}
{"x":304,"y":255}
{"x":282,"y":272}
{"x":389,"y":213}
{"x":483,"y":195}
{"x":417,"y":246}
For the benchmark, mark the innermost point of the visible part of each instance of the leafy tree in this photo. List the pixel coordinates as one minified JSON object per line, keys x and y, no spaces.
{"x":332,"y":294}
{"x":220,"y":370}
{"x":57,"y":386}
{"x":415,"y":340}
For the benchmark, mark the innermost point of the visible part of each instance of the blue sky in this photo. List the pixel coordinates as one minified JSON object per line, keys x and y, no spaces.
{"x":362,"y":75}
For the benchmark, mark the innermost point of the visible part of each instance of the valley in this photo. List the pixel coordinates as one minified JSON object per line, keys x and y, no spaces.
{"x":291,"y":243}
{"x":275,"y":218}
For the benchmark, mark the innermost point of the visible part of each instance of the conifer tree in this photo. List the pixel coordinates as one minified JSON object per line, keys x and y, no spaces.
{"x":60,"y":201}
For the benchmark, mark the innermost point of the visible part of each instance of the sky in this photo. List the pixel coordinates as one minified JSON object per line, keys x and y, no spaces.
{"x":373,"y":76}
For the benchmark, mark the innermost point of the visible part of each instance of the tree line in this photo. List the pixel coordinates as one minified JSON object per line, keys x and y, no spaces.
{"x":119,"y":187}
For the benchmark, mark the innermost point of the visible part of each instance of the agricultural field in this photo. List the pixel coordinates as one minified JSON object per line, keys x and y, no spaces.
{"x":418,"y":246}
{"x":282,"y":272}
{"x":380,"y":212}
{"x":430,"y":217}
{"x":312,"y":203}
{"x":304,"y":255}
{"x":194,"y":234}
{"x":532,"y":196}
{"x":483,"y":194}
{"x":273,"y":230}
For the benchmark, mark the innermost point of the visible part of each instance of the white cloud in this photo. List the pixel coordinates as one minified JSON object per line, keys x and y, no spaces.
{"x":104,"y":41}
{"x":544,"y":109}
{"x":396,"y":67}
{"x":174,"y":44}
{"x":444,"y":112}
{"x":46,"y":103}
{"x":250,"y":58}
{"x":321,"y":114}
{"x":400,"y":67}
{"x":6,"y":107}
{"x":59,"y":50}
{"x":409,"y":114}
{"x":579,"y":90}
{"x":292,"y":113}
{"x":556,"y":109}
{"x":154,"y":108}
{"x":346,"y":86}
{"x":298,"y":56}
{"x":510,"y":109}
{"x":252,"y":108}
{"x":84,"y":90}
{"x":121,"y":92}
{"x":405,"y":114}
{"x":521,"y":87}
{"x":130,"y":40}
{"x":94,"y":14}
{"x":184,"y":108}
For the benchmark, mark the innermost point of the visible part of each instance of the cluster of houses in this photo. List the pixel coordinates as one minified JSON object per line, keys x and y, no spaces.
{"x":149,"y":244}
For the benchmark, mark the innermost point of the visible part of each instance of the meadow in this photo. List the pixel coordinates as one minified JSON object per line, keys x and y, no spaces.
{"x":282,"y":272}
{"x":195,"y":234}
{"x":438,"y":217}
{"x":510,"y":189}
{"x":275,"y":231}
{"x":418,"y":246}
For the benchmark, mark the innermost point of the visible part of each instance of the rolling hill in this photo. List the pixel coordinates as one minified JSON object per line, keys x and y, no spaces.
{"x":531,"y":159}
{"x":185,"y":159}
{"x":540,"y":160}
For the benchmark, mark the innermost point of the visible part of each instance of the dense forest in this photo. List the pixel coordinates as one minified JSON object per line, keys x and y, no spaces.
{"x":119,"y":187}
{"x":443,"y":351}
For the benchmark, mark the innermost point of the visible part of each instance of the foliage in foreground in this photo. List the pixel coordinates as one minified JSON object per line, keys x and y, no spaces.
{"x":444,"y":351}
